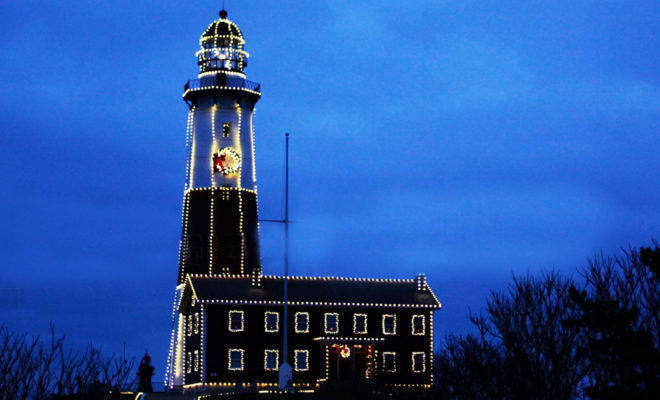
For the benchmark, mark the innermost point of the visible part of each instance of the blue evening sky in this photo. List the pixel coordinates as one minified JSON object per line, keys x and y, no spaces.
{"x":470,"y":140}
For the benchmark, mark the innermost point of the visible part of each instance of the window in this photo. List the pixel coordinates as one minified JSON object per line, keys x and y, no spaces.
{"x":189,"y":363}
{"x":236,"y":321}
{"x":331,"y":322}
{"x":196,"y":323}
{"x":302,"y":322}
{"x":389,"y":361}
{"x":236,"y":359}
{"x":360,"y":323}
{"x":301,"y":360}
{"x":389,"y":324}
{"x":196,"y":367}
{"x":272,"y":321}
{"x":418,"y":361}
{"x":271,"y":360}
{"x":225,"y":129}
{"x":190,"y":325}
{"x":418,"y":326}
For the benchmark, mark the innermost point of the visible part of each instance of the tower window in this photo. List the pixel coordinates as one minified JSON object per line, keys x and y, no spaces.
{"x":360,"y":323}
{"x":226,"y":127}
{"x":418,"y":325}
{"x":236,"y":359}
{"x":236,"y":321}
{"x":389,"y":324}
{"x":271,"y":360}
{"x":331,"y":322}
{"x":302,"y":322}
{"x":389,"y":361}
{"x":418,"y":361}
{"x":301,"y":360}
{"x":272,"y":321}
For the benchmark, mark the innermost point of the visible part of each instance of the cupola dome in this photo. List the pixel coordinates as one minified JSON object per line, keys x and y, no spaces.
{"x":222,"y":47}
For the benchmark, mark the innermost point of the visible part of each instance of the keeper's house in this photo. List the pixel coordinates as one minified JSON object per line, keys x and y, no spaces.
{"x":340,"y":329}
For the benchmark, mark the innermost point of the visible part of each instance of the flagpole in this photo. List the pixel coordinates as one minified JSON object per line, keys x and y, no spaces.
{"x":286,"y":373}
{"x":286,"y":253}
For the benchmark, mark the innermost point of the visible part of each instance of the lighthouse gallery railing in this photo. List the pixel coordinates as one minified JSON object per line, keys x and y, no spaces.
{"x":222,"y":81}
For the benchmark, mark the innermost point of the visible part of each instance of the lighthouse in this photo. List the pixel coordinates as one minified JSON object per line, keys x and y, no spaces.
{"x":229,"y":320}
{"x":220,"y":216}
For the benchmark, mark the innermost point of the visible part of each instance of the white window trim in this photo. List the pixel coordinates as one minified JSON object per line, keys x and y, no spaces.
{"x":277,"y":359}
{"x":394,"y":327}
{"x":295,"y":360}
{"x":277,"y":321}
{"x":325,"y":322}
{"x":242,"y":352}
{"x":242,"y":314}
{"x":355,"y":324}
{"x":296,"y":322}
{"x":423,"y":361}
{"x":412,"y":325}
{"x":393,"y":354}
{"x":196,"y":362}
{"x":196,"y":323}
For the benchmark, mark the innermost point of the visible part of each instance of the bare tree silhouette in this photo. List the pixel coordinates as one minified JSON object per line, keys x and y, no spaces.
{"x":620,"y":320}
{"x":545,"y":339}
{"x":33,"y":369}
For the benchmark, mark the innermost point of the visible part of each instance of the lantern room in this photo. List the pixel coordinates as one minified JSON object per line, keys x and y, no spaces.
{"x":222,"y":47}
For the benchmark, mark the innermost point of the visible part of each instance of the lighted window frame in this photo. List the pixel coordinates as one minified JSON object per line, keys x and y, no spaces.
{"x":189,"y":327}
{"x":389,"y":357}
{"x":241,"y":316}
{"x":241,"y":358}
{"x":189,"y":363}
{"x":297,"y":366}
{"x":270,"y":352}
{"x":276,"y":315}
{"x":355,"y":323}
{"x":226,"y":129}
{"x":325,"y":323}
{"x":304,"y":316}
{"x":415,"y":362}
{"x":196,"y":362}
{"x":385,"y":330}
{"x":196,"y":323}
{"x":422,"y":323}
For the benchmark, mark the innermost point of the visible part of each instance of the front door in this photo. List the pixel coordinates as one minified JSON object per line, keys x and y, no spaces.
{"x":350,"y":362}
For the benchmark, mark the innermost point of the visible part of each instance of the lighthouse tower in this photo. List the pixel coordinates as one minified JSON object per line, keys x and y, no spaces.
{"x":220,"y":222}
{"x":220,"y":202}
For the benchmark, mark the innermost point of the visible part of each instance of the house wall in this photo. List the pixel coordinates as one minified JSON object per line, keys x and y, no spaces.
{"x":254,"y":340}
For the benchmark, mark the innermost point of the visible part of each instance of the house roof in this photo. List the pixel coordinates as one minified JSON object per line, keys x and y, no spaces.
{"x":312,"y":291}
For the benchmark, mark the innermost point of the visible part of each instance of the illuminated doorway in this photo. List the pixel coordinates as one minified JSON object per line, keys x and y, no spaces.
{"x":350,"y":362}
